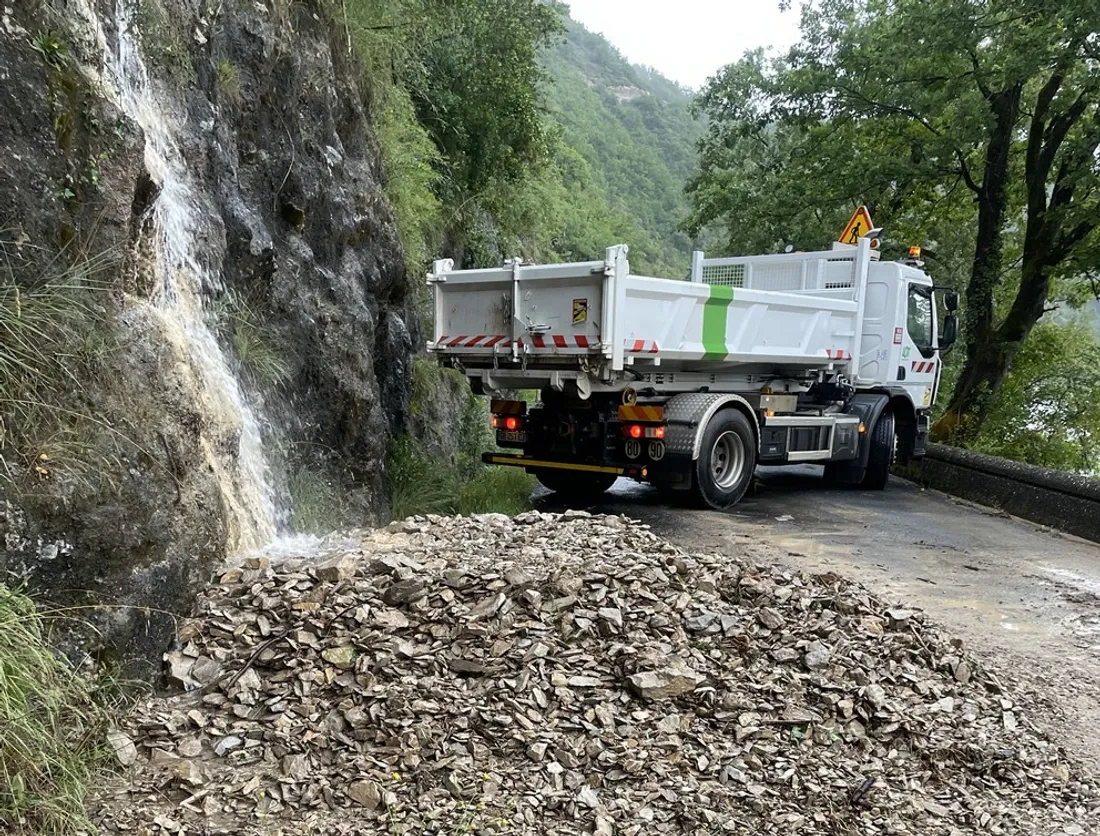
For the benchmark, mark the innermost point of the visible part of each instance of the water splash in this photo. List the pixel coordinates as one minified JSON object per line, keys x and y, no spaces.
{"x":184,"y":250}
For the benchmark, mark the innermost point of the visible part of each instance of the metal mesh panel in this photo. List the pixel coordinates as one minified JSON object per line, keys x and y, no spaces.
{"x":777,"y":277}
{"x":726,"y":275}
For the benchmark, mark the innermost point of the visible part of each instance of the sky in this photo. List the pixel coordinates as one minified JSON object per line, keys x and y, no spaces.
{"x":688,"y":40}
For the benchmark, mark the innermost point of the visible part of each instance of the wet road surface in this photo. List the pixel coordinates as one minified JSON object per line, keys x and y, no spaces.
{"x":1026,"y":598}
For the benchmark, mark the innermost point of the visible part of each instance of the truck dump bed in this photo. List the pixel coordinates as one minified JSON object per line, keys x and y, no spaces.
{"x":795,"y":311}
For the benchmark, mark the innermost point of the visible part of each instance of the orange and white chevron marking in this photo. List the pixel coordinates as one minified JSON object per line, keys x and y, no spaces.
{"x":640,"y":412}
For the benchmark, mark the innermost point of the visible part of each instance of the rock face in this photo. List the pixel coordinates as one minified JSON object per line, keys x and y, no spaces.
{"x":222,"y":157}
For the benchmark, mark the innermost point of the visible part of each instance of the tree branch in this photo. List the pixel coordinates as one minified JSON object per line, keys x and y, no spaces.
{"x":964,"y":170}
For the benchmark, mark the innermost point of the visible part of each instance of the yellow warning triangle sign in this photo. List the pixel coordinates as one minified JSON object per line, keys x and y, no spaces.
{"x":857,"y":227}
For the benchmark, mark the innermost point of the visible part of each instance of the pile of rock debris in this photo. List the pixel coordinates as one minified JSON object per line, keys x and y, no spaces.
{"x":574,"y":674}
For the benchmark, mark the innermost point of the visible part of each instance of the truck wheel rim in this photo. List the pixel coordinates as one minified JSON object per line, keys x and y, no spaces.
{"x":727,"y":459}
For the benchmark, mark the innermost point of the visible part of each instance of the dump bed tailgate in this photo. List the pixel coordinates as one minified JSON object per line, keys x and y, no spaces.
{"x":546,"y":309}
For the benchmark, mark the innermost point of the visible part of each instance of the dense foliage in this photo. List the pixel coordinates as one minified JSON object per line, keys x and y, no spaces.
{"x":972,"y":127}
{"x":510,"y":130}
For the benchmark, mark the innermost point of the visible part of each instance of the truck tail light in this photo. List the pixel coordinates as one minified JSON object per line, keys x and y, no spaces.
{"x":506,"y":422}
{"x":640,"y":431}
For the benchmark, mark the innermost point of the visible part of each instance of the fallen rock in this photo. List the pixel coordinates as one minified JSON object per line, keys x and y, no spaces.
{"x":366,"y":794}
{"x":669,"y":681}
{"x":576,"y":675}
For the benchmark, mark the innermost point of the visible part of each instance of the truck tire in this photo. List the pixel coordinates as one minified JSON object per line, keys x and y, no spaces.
{"x":727,"y":460}
{"x":573,"y":483}
{"x":881,"y":455}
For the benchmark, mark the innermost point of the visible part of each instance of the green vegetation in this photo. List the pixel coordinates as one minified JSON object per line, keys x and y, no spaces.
{"x":509,"y":130}
{"x":227,"y":79}
{"x":970,"y":128}
{"x":322,"y":499}
{"x":52,"y":732}
{"x":255,"y":344}
{"x":418,"y":483}
{"x":54,"y":335}
{"x":627,"y":142}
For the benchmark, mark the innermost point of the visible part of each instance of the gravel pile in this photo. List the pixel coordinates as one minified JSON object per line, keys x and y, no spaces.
{"x":570,"y":674}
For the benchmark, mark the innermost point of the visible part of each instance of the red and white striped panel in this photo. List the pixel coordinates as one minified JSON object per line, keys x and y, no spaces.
{"x":923,"y":367}
{"x":501,"y":341}
{"x":465,"y":341}
{"x":542,"y":341}
{"x":560,"y":341}
{"x":838,"y":354}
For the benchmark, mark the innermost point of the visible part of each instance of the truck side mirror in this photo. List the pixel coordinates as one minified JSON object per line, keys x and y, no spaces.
{"x":951,"y":301}
{"x":950,"y":332}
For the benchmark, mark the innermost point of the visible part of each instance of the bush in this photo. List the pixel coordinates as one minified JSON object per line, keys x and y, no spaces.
{"x":55,"y":333}
{"x":51,"y":730}
{"x":418,"y":484}
{"x":255,"y":344}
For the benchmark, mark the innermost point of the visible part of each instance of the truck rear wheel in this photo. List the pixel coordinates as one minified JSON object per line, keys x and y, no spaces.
{"x":574,"y":483}
{"x":881,"y":455}
{"x":727,"y":459}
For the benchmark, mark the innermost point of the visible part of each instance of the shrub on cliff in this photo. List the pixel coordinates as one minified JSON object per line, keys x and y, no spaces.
{"x":54,"y":333}
{"x":51,"y":730}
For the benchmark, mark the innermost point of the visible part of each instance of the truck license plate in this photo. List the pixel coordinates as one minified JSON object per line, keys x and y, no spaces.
{"x":516,"y":437}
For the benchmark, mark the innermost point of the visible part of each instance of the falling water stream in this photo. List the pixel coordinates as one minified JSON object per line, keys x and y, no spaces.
{"x":183,"y":274}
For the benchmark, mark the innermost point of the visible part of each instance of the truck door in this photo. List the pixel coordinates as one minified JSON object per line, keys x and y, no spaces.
{"x":918,"y":353}
{"x":878,"y":318}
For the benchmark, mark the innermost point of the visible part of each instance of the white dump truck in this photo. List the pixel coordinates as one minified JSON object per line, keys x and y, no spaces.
{"x":826,"y":357}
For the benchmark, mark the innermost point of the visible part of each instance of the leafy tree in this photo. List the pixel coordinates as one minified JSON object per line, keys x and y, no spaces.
{"x":1047,"y":411}
{"x":471,"y":71}
{"x":955,"y":120}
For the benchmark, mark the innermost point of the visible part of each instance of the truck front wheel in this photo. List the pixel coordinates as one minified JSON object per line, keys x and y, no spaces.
{"x":727,"y":459}
{"x":575,"y":484}
{"x":881,"y":455}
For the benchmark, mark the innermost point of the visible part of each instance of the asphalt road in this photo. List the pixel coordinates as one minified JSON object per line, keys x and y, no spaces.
{"x":1025,"y":598}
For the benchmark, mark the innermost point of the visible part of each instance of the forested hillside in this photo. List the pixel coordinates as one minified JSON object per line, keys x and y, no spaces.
{"x":634,"y":130}
{"x":515,"y":131}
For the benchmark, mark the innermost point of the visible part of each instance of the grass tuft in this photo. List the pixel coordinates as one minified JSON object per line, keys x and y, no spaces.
{"x":255,"y":344}
{"x":51,"y":730}
{"x":55,"y":333}
{"x":228,"y":81}
{"x":497,"y":490}
{"x":419,"y":484}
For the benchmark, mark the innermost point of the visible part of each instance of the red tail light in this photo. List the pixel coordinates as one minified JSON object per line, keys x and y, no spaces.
{"x":636,"y":431}
{"x":511,"y":423}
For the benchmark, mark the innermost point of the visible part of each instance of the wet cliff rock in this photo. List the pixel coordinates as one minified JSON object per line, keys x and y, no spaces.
{"x":253,"y":321}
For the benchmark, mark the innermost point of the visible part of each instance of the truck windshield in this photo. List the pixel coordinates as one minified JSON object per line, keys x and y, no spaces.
{"x":920,"y":318}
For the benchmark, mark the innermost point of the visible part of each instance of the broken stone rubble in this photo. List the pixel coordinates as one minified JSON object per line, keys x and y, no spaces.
{"x":571,"y":674}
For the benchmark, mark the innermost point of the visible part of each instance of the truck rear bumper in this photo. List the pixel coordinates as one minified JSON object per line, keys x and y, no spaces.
{"x":533,"y":463}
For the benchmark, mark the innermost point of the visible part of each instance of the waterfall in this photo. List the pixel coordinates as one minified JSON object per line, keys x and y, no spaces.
{"x":187,"y":261}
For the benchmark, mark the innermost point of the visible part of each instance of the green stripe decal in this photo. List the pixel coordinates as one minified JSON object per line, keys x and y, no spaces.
{"x":715,"y":313}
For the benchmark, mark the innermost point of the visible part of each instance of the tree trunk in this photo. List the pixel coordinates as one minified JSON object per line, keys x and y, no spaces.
{"x":986,"y":360}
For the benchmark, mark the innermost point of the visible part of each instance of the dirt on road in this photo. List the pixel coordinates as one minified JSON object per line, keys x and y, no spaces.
{"x":1026,"y":598}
